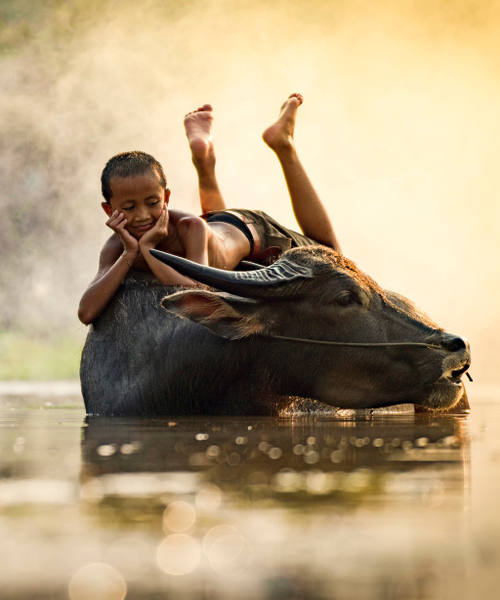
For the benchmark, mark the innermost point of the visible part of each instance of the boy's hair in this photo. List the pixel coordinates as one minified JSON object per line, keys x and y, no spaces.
{"x":129,"y":164}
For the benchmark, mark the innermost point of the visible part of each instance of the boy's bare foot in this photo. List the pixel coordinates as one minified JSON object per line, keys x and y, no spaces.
{"x":198,"y":126}
{"x":279,"y":136}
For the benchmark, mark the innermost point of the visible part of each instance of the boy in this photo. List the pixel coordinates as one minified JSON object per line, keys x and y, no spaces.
{"x":136,"y":200}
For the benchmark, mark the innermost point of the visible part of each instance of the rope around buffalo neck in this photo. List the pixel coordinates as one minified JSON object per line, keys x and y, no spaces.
{"x":359,"y":344}
{"x":363,"y":344}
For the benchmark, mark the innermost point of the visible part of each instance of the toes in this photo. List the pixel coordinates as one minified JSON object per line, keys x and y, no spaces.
{"x":294,"y":99}
{"x":296,"y":96}
{"x":203,"y":108}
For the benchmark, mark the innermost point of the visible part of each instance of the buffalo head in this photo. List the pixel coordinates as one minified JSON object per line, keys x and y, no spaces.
{"x":316,"y":293}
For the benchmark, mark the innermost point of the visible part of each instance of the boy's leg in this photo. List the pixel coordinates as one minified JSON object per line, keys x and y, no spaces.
{"x":225,"y":244}
{"x":309,"y":211}
{"x":198,"y":126}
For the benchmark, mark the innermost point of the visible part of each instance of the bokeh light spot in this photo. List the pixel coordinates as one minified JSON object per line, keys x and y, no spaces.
{"x":106,"y":449}
{"x":275,"y":453}
{"x":178,"y":554}
{"x":208,"y":498}
{"x":213,"y":451}
{"x":98,"y":581}
{"x":178,"y":516}
{"x":223,"y":546}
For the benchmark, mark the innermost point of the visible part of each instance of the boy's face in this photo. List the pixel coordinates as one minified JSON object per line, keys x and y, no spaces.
{"x":140,"y":198}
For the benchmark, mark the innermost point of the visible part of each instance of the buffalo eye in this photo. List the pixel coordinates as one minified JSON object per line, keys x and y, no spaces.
{"x":347,"y":298}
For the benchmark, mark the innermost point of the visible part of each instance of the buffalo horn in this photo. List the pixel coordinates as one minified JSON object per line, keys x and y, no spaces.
{"x":269,"y":281}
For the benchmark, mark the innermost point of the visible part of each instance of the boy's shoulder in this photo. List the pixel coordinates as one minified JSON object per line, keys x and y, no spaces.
{"x":175,"y":215}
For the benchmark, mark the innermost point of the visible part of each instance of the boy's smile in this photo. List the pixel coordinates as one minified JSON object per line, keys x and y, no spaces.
{"x":140,"y":198}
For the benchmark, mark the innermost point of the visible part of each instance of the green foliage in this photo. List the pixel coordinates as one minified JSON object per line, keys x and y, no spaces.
{"x":26,"y":358}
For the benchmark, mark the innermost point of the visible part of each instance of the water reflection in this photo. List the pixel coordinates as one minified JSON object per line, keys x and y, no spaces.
{"x":283,"y":508}
{"x":282,"y":460}
{"x":359,"y":506}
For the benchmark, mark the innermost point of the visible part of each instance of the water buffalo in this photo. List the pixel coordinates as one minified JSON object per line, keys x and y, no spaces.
{"x":230,"y":352}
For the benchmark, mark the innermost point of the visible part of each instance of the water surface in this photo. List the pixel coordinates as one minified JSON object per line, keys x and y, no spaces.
{"x":354,"y":506}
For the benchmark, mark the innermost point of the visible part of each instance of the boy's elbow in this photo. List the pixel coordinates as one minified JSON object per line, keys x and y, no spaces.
{"x":85,"y":317}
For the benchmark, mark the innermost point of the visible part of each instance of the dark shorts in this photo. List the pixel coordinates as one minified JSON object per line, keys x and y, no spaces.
{"x":268,"y":239}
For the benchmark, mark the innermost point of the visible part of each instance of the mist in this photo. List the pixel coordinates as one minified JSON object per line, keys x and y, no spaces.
{"x":398,"y":131}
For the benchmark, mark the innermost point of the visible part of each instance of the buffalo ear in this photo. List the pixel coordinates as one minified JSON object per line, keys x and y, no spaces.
{"x":225,"y":315}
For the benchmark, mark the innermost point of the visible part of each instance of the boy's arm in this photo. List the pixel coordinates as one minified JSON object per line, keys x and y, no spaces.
{"x":193,"y":234}
{"x":114,"y":264}
{"x":150,"y":240}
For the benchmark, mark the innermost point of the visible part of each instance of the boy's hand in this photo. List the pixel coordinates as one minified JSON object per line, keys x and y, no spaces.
{"x":157,"y":233}
{"x":117,"y":222}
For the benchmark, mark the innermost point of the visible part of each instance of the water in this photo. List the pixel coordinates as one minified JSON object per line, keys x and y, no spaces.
{"x":399,"y":506}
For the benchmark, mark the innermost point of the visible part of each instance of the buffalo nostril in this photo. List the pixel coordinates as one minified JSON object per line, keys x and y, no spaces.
{"x":459,"y":372}
{"x":454,"y":343}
